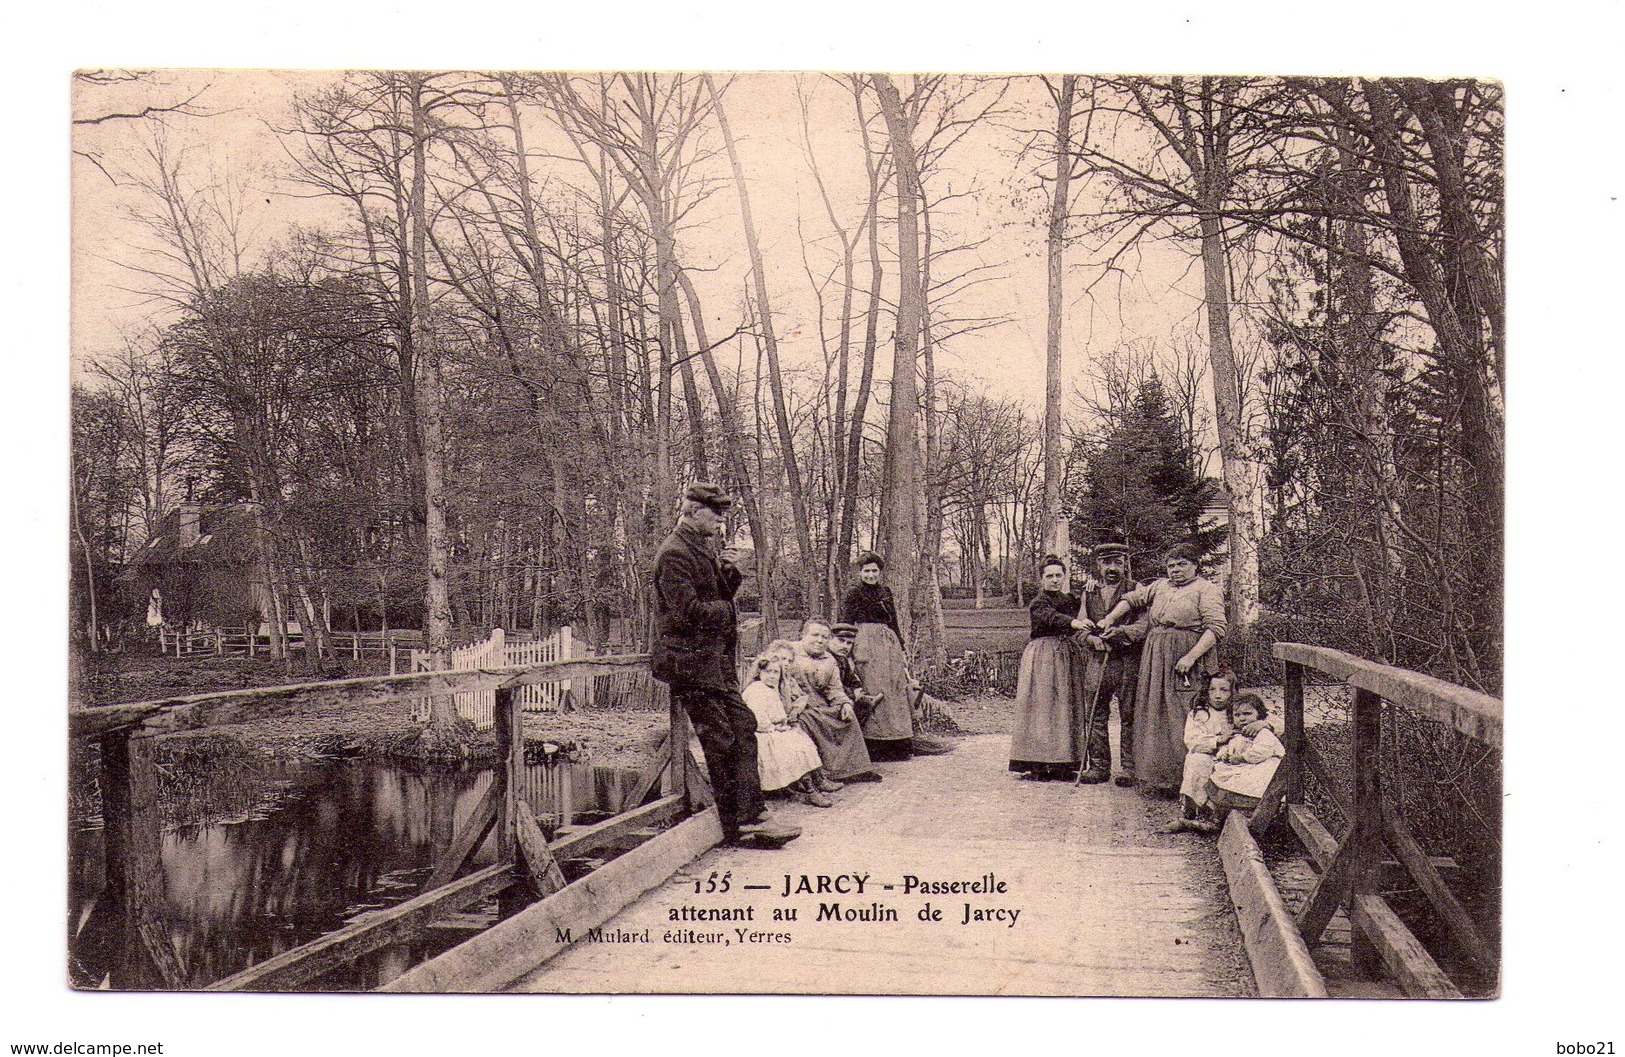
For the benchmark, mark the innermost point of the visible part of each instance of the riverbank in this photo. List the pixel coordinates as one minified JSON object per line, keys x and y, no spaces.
{"x":616,"y":735}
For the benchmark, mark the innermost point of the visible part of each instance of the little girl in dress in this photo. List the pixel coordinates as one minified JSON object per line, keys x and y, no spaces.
{"x":1244,"y":765}
{"x":1207,"y":727}
{"x":785,"y":755}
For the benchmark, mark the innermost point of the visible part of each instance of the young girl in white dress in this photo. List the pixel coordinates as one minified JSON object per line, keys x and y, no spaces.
{"x":1244,"y":765}
{"x":785,"y":755}
{"x":1207,"y":727}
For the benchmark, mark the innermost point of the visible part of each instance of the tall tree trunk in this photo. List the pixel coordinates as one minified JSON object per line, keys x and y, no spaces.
{"x":900,"y":501}
{"x":734,"y":460}
{"x":929,"y":636}
{"x":318,"y":640}
{"x":1463,"y":307}
{"x":853,"y":456}
{"x":1356,"y":341}
{"x":701,"y":467}
{"x":90,"y":644}
{"x":770,"y":343}
{"x":1243,"y":478}
{"x":837,"y":540}
{"x":431,"y":419}
{"x":1056,"y":533}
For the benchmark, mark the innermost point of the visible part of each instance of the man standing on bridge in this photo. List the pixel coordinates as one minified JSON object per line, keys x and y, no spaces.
{"x":1114,"y":670}
{"x":696,"y":641}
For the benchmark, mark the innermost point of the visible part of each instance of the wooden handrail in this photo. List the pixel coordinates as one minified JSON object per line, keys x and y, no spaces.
{"x":1479,"y":716}
{"x":527,"y":867}
{"x":236,"y":706}
{"x":1350,"y":867}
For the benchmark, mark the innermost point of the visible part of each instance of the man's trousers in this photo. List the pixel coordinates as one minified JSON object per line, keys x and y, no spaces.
{"x":1121,"y":679}
{"x":726,"y":728}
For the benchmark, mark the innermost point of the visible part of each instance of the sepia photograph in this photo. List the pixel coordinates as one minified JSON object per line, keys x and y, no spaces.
{"x":726,"y":529}
{"x":806,"y":533}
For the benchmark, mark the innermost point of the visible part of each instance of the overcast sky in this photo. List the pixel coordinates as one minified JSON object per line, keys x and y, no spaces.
{"x":1003,"y":211}
{"x":1567,"y":185}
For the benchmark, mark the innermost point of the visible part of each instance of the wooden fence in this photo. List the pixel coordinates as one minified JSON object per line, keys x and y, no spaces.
{"x":255,"y":641}
{"x":669,"y":787}
{"x":499,"y":651}
{"x":1352,"y":866}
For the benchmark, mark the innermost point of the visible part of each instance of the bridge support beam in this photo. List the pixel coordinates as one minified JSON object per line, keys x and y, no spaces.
{"x":132,"y":845}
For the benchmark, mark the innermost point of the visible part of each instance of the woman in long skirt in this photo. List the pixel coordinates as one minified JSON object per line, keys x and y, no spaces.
{"x":878,"y":653}
{"x":1187,"y":621}
{"x":1044,"y":740}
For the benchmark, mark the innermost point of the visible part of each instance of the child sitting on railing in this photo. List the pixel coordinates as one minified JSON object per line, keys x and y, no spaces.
{"x":1244,"y":765}
{"x":1207,"y":726}
{"x":787,"y":759}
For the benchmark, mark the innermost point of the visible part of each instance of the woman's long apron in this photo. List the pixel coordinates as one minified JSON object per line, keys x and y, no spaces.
{"x":1047,"y":725}
{"x":1162,"y":704}
{"x":884,"y":670}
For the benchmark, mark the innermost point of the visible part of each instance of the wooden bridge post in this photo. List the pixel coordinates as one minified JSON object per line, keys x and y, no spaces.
{"x":132,"y":847}
{"x":1294,"y":732}
{"x":677,"y":746}
{"x":511,"y":763}
{"x":510,"y":734}
{"x":1367,"y":830}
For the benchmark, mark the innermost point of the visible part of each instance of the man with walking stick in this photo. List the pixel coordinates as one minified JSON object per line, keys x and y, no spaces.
{"x":1114,"y":670}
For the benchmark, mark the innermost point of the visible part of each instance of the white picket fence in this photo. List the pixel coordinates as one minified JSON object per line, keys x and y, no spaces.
{"x":497,"y":652}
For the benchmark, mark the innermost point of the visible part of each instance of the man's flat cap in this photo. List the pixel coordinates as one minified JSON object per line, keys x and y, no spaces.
{"x":711,"y":495}
{"x":1106,"y":550}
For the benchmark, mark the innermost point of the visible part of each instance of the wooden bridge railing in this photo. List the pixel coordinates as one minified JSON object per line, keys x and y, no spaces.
{"x":527,"y":868}
{"x":1351,"y":867}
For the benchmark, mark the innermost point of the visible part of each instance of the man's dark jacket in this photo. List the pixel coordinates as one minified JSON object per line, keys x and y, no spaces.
{"x":696,"y":629}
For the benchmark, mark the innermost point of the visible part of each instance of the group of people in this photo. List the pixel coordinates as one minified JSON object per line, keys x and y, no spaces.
{"x":818,"y":712}
{"x":806,"y":696}
{"x":815,"y":713}
{"x":1151,"y":649}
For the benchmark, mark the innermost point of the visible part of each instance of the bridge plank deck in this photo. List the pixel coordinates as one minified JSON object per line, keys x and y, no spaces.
{"x":1108,"y":906}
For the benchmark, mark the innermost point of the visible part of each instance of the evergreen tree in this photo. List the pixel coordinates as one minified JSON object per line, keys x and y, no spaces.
{"x":1141,"y":485}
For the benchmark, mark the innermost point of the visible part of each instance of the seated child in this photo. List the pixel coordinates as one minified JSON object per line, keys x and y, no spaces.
{"x":1244,"y":765}
{"x":786,"y":758}
{"x":1207,"y":727}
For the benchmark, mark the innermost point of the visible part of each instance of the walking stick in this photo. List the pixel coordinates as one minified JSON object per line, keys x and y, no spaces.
{"x":1097,"y":676}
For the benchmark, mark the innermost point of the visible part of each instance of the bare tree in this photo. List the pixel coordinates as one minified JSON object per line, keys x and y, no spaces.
{"x":648,"y":126}
{"x":1064,"y":95}
{"x":110,"y":98}
{"x":764,"y":306}
{"x":902,"y":501}
{"x":1203,"y":134}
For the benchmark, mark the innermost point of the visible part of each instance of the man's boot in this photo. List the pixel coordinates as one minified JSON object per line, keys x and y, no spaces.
{"x":766,"y":833}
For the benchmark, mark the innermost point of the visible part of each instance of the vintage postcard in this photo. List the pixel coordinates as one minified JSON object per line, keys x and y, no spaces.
{"x":805,"y":533}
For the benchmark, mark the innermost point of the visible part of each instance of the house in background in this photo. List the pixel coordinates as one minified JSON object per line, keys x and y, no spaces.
{"x":206,"y":560}
{"x":1216,"y":514}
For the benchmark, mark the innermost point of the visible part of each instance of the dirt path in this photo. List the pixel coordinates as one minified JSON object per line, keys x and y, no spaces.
{"x":1105,"y":906}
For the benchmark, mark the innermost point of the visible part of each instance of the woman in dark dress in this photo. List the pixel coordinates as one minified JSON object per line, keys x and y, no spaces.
{"x":1044,"y":737}
{"x":878,"y":654}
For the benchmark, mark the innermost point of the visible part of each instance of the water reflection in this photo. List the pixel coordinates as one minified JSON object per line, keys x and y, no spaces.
{"x":300,"y":848}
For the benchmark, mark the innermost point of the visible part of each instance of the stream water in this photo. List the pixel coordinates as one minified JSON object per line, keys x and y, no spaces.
{"x":260,"y":856}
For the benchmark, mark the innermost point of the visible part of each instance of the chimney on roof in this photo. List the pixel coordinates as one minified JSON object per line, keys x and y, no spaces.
{"x":189,"y":522}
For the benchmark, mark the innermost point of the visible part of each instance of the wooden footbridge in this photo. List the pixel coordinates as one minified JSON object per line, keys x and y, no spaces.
{"x":949,"y":877}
